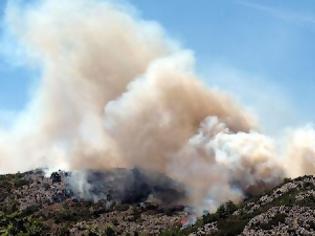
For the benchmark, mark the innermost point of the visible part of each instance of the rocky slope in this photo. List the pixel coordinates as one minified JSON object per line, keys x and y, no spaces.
{"x":288,"y":209}
{"x":33,"y":204}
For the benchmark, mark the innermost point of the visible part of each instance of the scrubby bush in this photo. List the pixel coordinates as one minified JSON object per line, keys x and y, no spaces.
{"x":20,"y":182}
{"x":63,"y":230}
{"x":274,"y":221}
{"x":234,"y":225}
{"x":17,"y":224}
{"x":208,"y":218}
{"x":109,"y":231}
{"x":121,"y":207}
{"x":31,"y":209}
{"x":226,"y":209}
{"x":64,"y":216}
{"x":172,"y":232}
{"x":307,"y":202}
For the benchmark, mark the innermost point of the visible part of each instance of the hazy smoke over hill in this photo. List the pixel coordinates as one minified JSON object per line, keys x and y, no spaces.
{"x":116,"y":92}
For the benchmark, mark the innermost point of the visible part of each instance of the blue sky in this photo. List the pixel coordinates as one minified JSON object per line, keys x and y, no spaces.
{"x":263,"y":52}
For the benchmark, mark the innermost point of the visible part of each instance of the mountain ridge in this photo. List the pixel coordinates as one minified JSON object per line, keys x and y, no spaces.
{"x":34,"y":204}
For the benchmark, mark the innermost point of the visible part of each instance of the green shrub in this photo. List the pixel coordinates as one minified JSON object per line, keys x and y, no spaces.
{"x":307,"y":202}
{"x":65,"y":215}
{"x":121,"y":207}
{"x":226,"y":209}
{"x":63,"y":230}
{"x":20,"y":182}
{"x":209,"y":218}
{"x":231,"y":226}
{"x":274,"y":221}
{"x":30,"y":210}
{"x":10,"y":207}
{"x":17,"y":224}
{"x":109,"y":231}
{"x":34,"y":227}
{"x":172,"y":232}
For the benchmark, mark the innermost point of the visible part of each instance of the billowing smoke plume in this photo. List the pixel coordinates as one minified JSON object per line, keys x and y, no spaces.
{"x":117,"y":93}
{"x":127,"y":186}
{"x":300,"y":151}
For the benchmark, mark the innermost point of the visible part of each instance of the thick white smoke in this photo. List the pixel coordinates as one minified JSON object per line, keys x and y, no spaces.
{"x":116,"y":92}
{"x":300,"y":151}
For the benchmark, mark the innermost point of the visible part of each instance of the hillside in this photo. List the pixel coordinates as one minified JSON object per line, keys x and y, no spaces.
{"x":287,"y":209}
{"x":33,"y":204}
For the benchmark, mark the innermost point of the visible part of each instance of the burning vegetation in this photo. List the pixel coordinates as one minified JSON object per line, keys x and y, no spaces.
{"x":33,"y":203}
{"x":120,"y":106}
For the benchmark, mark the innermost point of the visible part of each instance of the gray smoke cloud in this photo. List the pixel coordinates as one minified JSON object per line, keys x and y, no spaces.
{"x":126,"y":186}
{"x":116,"y":92}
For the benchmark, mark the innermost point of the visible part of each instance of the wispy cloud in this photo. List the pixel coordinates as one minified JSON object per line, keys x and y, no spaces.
{"x":7,"y":118}
{"x":284,"y":14}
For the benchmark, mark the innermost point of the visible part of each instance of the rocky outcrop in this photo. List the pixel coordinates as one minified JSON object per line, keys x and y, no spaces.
{"x":282,"y":221}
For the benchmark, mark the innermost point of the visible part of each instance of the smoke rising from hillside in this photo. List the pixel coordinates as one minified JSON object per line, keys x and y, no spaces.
{"x":116,"y":92}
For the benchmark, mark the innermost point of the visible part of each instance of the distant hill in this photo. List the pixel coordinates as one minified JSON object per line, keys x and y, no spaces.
{"x":32,"y":204}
